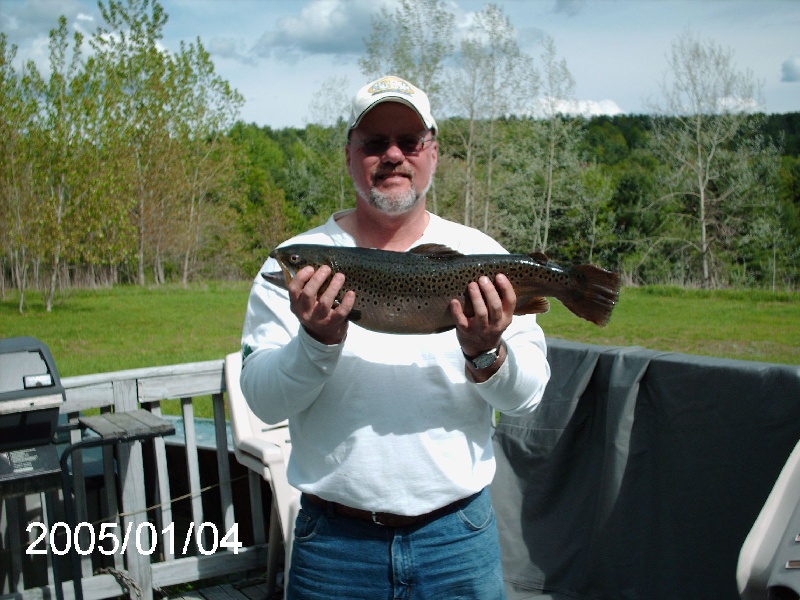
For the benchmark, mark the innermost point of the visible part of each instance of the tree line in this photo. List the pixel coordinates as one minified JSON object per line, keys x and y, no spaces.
{"x":128,"y":164}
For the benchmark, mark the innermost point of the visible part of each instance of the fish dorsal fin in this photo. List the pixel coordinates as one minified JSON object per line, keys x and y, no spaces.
{"x":539,"y":257}
{"x":435,"y":251}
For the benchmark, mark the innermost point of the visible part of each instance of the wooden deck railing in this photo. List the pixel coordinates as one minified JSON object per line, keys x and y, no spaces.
{"x":137,"y":487}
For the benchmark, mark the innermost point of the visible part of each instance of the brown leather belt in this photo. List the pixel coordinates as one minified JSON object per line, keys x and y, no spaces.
{"x":382,"y":518}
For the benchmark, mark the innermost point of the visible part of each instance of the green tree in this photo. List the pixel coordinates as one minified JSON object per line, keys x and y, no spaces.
{"x":412,"y":42}
{"x":19,"y":107}
{"x":326,"y":137}
{"x":493,"y":75}
{"x":63,"y":150}
{"x":558,"y":88}
{"x":703,"y":135}
{"x":540,"y":186}
{"x":331,"y":103}
{"x":541,"y":163}
{"x":206,"y":108}
{"x":637,"y":223}
{"x":140,"y":84}
{"x":594,"y":216}
{"x":265,"y":217}
{"x":789,"y":193}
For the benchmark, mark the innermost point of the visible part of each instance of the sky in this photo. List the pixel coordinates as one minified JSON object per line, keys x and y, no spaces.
{"x":279,"y":54}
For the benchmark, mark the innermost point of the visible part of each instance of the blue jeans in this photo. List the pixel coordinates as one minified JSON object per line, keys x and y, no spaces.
{"x":456,"y":556}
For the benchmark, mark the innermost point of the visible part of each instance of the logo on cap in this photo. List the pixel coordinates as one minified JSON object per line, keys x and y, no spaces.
{"x":391,"y":84}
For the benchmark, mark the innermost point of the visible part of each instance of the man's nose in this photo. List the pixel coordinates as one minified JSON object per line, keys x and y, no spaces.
{"x":393,"y":154}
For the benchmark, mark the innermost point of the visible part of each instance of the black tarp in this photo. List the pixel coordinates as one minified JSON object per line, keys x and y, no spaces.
{"x":641,"y":473}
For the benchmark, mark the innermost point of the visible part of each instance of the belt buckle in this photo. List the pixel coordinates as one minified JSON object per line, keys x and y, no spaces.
{"x":376,"y":518}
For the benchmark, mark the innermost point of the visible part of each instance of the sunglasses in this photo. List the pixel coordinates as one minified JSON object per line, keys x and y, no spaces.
{"x":377,"y":145}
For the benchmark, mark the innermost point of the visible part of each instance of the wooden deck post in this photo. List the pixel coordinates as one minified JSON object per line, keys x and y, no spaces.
{"x":134,"y":502}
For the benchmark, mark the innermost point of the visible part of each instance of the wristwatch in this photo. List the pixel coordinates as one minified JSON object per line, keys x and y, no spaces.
{"x":484,"y":359}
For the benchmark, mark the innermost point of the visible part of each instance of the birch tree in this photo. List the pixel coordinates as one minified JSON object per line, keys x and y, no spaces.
{"x":206,"y":108}
{"x":62,"y":149}
{"x":541,"y":163}
{"x":18,"y":106}
{"x":412,"y":42}
{"x":560,"y":138}
{"x":707,"y":101}
{"x":325,"y":137}
{"x":140,"y":82}
{"x":493,"y":80}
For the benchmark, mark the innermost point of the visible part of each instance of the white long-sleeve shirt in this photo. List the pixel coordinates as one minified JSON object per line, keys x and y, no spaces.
{"x":385,"y":422}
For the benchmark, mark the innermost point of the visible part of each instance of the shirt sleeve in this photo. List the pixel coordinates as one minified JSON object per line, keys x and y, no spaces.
{"x":284,"y":368}
{"x":517,"y":387}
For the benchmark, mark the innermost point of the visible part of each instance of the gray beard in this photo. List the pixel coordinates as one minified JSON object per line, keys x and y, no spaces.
{"x":394,"y":204}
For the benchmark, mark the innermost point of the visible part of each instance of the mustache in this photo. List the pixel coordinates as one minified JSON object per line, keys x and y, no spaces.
{"x":381,"y":173}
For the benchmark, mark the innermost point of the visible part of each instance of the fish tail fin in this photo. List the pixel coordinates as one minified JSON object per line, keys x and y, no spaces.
{"x":593,"y":293}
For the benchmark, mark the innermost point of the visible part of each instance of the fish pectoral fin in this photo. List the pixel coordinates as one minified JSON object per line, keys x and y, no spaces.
{"x":435,"y":251}
{"x":535,"y":305}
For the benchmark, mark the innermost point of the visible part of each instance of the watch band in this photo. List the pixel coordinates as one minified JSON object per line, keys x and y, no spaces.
{"x":484,"y":360}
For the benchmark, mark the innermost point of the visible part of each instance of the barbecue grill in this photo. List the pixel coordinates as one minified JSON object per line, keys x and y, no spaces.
{"x":30,"y":396}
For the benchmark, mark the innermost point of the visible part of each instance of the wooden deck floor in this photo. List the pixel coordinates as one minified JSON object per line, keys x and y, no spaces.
{"x":251,"y":589}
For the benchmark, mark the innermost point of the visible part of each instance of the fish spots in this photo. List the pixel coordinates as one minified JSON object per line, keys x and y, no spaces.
{"x":411,"y":292}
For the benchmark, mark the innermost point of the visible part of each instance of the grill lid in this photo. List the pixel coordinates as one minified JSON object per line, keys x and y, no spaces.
{"x":30,"y":393}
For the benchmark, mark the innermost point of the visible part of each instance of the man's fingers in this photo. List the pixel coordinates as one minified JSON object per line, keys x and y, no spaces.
{"x":316,"y":281}
{"x":458,"y":314}
{"x":300,"y":279}
{"x":313,"y":300}
{"x":507,"y":294}
{"x":493,"y":305}
{"x":328,"y":297}
{"x":348,"y":301}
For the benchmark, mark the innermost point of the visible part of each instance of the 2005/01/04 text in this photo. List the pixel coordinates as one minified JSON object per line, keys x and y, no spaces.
{"x":144,"y":538}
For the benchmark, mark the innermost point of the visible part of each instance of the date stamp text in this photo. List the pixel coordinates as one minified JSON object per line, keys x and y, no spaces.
{"x":112,"y":538}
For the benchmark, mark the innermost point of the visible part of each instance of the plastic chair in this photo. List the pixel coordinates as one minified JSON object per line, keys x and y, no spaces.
{"x":769,"y":561}
{"x":265,"y":450}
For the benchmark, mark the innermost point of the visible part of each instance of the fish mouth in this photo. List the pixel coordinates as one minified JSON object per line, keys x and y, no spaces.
{"x":283,"y":277}
{"x":288,"y":273}
{"x":278,"y":278}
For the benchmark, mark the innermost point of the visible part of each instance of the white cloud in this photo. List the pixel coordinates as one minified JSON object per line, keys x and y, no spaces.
{"x":568,"y":7}
{"x":230,"y":48}
{"x":736,"y":105}
{"x":790,"y":70}
{"x":322,"y":27}
{"x":27,"y":20}
{"x":585,"y":108}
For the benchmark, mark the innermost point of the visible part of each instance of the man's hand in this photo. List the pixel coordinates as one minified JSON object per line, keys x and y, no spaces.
{"x":318,"y":313}
{"x":493,"y":307}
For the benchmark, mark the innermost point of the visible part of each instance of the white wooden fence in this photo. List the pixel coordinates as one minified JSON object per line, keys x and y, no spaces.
{"x":136,"y":496}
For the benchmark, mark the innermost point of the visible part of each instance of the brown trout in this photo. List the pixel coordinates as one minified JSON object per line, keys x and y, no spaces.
{"x":410,"y":292}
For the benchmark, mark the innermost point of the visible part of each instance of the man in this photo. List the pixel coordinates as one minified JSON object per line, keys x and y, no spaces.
{"x":391,"y":434}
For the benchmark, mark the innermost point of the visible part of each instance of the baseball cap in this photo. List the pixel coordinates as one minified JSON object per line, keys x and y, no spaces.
{"x":390,"y":89}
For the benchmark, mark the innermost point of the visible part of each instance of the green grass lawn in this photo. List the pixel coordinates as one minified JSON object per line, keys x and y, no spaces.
{"x":746,"y":325}
{"x":93,"y":331}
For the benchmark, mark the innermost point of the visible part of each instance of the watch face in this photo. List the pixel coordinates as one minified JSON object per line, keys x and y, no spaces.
{"x":485,"y":360}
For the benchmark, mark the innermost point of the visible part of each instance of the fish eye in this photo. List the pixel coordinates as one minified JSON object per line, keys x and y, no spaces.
{"x":294,"y":258}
